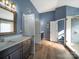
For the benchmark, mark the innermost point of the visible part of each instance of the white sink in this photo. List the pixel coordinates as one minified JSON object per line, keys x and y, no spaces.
{"x":9,"y":42}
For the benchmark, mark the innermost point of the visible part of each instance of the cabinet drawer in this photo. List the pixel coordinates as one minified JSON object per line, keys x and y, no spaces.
{"x":10,"y":50}
{"x":7,"y":57}
{"x":16,"y":55}
{"x":27,"y":42}
{"x":26,"y":45}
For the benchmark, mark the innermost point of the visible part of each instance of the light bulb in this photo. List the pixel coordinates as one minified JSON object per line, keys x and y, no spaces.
{"x":13,"y":6}
{"x":7,"y":2}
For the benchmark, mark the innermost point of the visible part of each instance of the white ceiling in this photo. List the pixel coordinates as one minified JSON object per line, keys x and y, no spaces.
{"x":50,"y":5}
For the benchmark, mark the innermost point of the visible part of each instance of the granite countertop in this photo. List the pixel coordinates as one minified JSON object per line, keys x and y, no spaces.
{"x":9,"y":43}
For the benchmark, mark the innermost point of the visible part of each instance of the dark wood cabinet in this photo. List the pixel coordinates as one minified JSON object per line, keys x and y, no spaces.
{"x":16,"y":54}
{"x":26,"y":49}
{"x":19,"y":51}
{"x":6,"y":57}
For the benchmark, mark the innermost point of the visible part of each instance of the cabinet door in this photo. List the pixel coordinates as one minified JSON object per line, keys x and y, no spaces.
{"x":6,"y":57}
{"x":16,"y":54}
{"x":26,"y":48}
{"x":26,"y":45}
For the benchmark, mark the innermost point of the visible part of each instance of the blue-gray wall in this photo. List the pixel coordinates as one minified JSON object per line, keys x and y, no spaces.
{"x":45,"y":18}
{"x":59,"y":13}
{"x":26,"y":7}
{"x":52,"y":16}
{"x":64,"y":11}
{"x":71,"y":11}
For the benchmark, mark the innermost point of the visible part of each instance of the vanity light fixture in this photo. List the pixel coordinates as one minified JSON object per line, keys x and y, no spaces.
{"x":8,"y":4}
{"x":2,"y":2}
{"x":13,"y":6}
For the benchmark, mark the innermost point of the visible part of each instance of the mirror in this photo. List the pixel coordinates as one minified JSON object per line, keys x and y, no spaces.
{"x":7,"y":21}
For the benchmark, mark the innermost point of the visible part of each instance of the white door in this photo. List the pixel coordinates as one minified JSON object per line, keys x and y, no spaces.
{"x":32,"y":27}
{"x":53,"y":31}
{"x":29,"y":24}
{"x":68,"y":32}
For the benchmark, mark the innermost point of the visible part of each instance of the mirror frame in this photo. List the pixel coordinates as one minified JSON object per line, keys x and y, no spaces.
{"x":14,"y":22}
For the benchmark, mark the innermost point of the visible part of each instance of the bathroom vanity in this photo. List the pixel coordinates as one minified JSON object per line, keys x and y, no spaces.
{"x":19,"y":48}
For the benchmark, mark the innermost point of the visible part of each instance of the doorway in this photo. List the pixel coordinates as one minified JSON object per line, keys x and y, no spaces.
{"x":57,"y":30}
{"x":61,"y":30}
{"x":29,"y":24}
{"x":72,"y":33}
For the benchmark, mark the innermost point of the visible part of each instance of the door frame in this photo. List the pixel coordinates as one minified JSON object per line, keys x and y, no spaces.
{"x":56,"y":22}
{"x":53,"y":31}
{"x":68,"y":43}
{"x":64,"y":27}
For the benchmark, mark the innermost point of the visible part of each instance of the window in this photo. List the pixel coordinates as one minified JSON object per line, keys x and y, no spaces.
{"x":7,"y":21}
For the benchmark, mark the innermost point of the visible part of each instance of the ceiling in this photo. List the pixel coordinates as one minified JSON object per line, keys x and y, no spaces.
{"x":50,"y":5}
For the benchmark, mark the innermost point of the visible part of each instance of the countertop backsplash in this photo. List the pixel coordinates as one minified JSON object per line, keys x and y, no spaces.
{"x":13,"y":37}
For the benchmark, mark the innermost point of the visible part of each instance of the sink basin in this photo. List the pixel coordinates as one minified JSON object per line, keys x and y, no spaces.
{"x":6,"y":44}
{"x":9,"y":42}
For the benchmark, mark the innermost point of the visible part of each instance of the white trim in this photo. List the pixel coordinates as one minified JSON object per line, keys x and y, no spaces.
{"x":64,"y":26}
{"x":61,"y":19}
{"x":68,"y":28}
{"x":56,"y":24}
{"x":68,"y":44}
{"x":53,"y":31}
